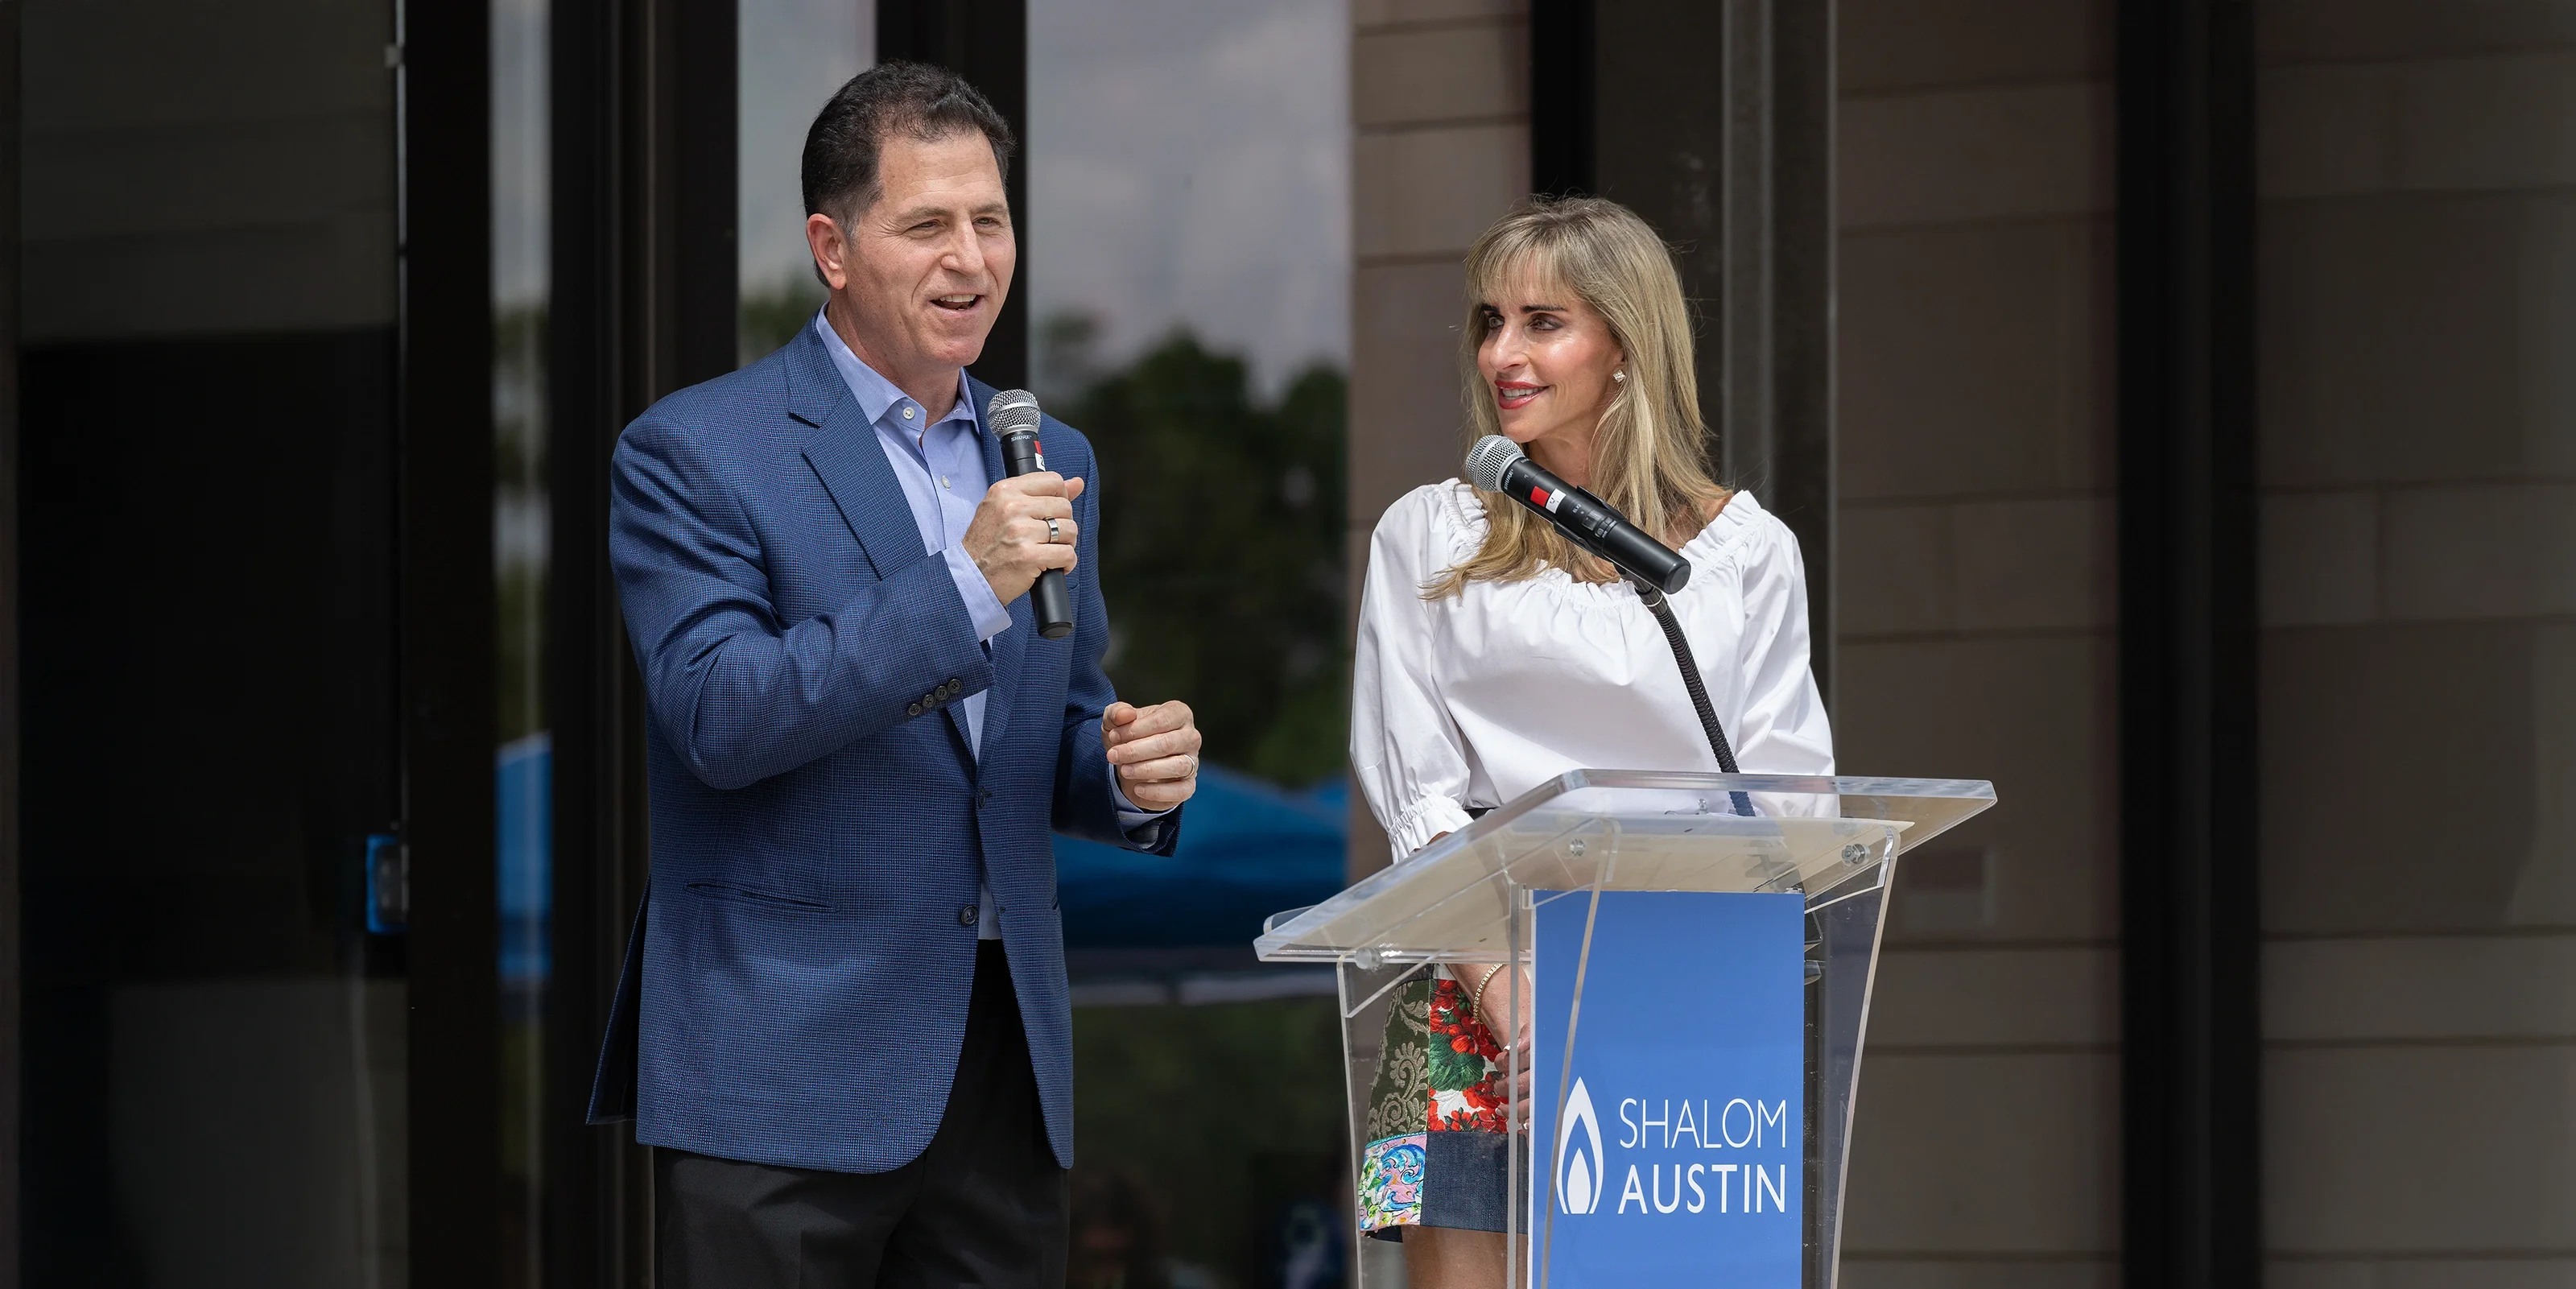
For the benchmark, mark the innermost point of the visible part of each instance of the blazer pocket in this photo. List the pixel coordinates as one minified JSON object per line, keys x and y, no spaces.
{"x":727,"y":892}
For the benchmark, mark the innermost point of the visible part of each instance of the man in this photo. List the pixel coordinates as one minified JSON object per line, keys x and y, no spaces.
{"x":850,"y":1034}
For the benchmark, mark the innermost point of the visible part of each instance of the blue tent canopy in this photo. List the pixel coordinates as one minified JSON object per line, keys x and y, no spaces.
{"x":523,"y":815}
{"x":1247,"y":850}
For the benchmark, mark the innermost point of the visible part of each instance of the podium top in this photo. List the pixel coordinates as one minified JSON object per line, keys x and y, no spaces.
{"x":1624,"y":830}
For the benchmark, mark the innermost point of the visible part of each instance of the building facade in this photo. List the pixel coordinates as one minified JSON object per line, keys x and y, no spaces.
{"x":2174,"y":403}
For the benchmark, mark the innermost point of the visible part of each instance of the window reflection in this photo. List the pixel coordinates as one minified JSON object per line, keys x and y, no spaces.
{"x":793,"y":54}
{"x":1189,"y":165}
{"x":521,"y":551}
{"x":1187,"y":262}
{"x":215,"y":1048}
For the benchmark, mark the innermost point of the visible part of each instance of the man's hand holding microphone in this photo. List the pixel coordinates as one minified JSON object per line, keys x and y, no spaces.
{"x":1024,"y":527}
{"x":1024,"y":530}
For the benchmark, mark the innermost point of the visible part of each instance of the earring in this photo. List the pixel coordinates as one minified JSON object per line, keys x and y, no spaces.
{"x":1620,"y":376}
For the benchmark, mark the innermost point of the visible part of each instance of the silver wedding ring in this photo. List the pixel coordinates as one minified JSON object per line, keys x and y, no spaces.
{"x":1054,"y":537}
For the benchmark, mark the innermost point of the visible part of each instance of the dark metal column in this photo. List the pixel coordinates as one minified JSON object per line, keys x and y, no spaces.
{"x":12,"y":975}
{"x":445,"y":608}
{"x":598,"y":1193}
{"x":987,"y":42}
{"x":1715,"y":122}
{"x":1797,"y":451}
{"x":643,"y":303}
{"x":2190,"y":1050}
{"x":1561,"y":97}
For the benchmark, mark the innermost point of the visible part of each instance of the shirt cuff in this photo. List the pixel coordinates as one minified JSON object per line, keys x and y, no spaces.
{"x":1130,"y":815}
{"x":1422,"y":821}
{"x":982,"y":607}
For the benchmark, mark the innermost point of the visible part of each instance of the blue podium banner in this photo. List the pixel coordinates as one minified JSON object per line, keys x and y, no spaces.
{"x":1670,"y":1150}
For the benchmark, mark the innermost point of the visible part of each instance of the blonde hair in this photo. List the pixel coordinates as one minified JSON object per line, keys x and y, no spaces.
{"x":1650,"y":451}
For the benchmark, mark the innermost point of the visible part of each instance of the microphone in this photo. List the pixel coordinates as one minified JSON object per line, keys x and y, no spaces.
{"x":1496,"y":464}
{"x":1014,"y":416}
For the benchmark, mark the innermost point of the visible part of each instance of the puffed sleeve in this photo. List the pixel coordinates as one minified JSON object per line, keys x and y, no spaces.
{"x":1783,"y":730}
{"x":1407,"y":753}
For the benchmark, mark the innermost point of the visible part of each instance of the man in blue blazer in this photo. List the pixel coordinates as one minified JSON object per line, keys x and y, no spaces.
{"x":850,"y":1037}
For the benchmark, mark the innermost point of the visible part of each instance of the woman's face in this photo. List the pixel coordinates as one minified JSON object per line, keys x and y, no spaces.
{"x":1548,"y":361}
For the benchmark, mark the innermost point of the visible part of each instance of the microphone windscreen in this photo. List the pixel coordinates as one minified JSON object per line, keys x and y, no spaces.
{"x":1011,"y":411}
{"x":1486,"y":461}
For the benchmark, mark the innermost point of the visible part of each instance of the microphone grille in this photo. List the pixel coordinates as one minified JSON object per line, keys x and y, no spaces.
{"x":1486,"y":461}
{"x":1011,"y":411}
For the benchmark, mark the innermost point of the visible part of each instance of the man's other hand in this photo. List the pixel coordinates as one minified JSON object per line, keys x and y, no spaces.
{"x":1009,"y":539}
{"x":1154,"y":751}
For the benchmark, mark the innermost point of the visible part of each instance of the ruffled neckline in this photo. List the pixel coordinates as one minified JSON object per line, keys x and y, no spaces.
{"x":1712,"y":548}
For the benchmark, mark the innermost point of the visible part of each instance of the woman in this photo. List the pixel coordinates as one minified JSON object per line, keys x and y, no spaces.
{"x":1494,"y":654}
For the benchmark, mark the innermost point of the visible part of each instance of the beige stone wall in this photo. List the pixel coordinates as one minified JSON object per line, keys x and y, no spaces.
{"x":1977,"y":593}
{"x":1440,"y":107}
{"x":2418,"y":297}
{"x":2418,"y":361}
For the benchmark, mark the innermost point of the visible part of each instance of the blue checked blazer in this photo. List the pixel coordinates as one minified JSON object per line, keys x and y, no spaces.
{"x":795,"y":992}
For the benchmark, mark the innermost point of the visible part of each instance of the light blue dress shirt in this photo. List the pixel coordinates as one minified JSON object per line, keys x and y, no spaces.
{"x":941,"y":466}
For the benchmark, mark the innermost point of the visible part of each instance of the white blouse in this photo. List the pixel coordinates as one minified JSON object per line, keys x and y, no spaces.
{"x":1477,"y":698}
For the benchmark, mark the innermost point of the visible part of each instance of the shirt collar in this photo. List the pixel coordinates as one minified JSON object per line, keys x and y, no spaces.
{"x":875,"y":394}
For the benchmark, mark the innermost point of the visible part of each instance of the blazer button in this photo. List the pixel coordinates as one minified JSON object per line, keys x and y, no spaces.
{"x":966,"y":915}
{"x":912,"y":709}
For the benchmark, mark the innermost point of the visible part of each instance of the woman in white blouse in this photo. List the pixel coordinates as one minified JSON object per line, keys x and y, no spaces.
{"x":1494,"y":654}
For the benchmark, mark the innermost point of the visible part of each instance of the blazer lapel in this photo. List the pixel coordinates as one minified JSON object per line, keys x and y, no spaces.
{"x":844,"y":454}
{"x":1012,"y":645}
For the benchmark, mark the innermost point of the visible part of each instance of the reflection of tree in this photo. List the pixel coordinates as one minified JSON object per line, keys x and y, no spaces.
{"x":769,"y":317}
{"x":1221,"y":552}
{"x":520,"y":536}
{"x":1067,"y":356}
{"x":521,"y":540}
{"x":1222,"y":1113}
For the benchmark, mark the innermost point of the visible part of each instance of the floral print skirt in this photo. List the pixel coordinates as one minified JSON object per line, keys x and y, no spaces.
{"x":1437,"y":1153}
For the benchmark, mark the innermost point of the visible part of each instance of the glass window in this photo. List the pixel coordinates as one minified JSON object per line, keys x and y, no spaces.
{"x":214,"y":1039}
{"x":1189,"y":275}
{"x":794,"y":54}
{"x":522,"y":539}
{"x":1187,"y":265}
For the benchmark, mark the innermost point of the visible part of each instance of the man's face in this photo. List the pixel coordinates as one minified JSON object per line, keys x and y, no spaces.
{"x":924,"y":270}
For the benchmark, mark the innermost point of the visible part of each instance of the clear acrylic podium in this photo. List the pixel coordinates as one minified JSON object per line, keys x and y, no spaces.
{"x":1471,"y":899}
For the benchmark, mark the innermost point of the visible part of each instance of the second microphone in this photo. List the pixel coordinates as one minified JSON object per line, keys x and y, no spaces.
{"x":1496,"y":464}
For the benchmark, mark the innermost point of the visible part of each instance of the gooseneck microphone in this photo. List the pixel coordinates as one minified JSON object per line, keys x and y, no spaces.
{"x":1496,"y":464}
{"x":1014,"y":417}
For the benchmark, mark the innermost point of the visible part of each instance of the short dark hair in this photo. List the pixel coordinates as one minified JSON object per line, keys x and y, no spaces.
{"x":840,"y":165}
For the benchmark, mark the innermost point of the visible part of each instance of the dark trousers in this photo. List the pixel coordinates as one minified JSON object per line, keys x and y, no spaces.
{"x":984,"y":1205}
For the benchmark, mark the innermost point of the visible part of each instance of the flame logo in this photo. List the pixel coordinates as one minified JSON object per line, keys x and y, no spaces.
{"x":1579,"y":1188}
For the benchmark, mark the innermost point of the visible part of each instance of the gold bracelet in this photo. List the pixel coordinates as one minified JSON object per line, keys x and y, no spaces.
{"x":1476,"y":1001}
